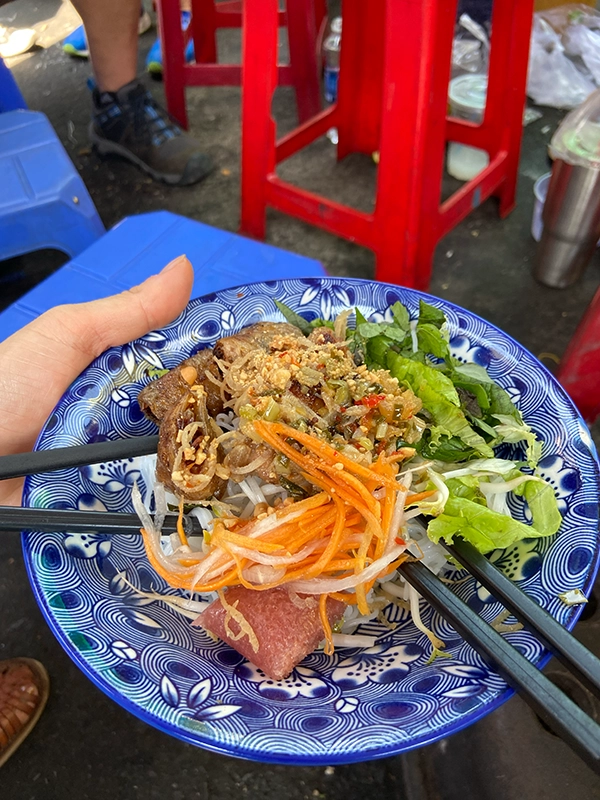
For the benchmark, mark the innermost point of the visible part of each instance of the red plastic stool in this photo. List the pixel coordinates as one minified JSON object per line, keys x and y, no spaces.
{"x":579,"y":370}
{"x":304,"y":19}
{"x":393,"y":97}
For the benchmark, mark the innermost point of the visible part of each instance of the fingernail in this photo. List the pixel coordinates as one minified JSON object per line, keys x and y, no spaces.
{"x":172,"y":264}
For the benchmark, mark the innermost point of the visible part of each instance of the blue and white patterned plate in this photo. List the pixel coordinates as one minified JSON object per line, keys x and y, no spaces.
{"x":354,"y":705}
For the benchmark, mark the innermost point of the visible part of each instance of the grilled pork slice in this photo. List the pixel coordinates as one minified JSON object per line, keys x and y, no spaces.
{"x":261,"y":336}
{"x":189,"y":453}
{"x":277,"y":630}
{"x":161,"y":395}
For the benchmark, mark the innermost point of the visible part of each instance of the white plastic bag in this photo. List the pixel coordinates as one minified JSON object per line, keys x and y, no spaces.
{"x":580,"y":41}
{"x":553,"y":79}
{"x":470,"y":48}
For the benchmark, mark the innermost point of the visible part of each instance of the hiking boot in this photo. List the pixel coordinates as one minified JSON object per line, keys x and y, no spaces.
{"x":130,"y":123}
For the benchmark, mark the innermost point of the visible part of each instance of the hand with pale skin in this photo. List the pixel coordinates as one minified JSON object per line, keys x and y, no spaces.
{"x":39,"y":362}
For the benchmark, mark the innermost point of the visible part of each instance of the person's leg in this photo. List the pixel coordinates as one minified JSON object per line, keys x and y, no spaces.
{"x":75,"y":44}
{"x":111,"y":28}
{"x":127,"y":121}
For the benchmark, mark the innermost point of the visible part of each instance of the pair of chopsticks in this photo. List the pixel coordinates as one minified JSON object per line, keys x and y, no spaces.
{"x":105,"y":522}
{"x":561,"y":714}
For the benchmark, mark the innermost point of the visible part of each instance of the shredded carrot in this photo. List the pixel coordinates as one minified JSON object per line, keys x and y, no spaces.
{"x":416,"y":498}
{"x":326,"y":626}
{"x":344,"y":527}
{"x":269,"y":430}
{"x":344,"y":597}
{"x":180,"y":530}
{"x":258,"y":545}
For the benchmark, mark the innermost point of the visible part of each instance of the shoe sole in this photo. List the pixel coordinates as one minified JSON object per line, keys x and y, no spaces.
{"x":106,"y":148}
{"x":44,"y":686}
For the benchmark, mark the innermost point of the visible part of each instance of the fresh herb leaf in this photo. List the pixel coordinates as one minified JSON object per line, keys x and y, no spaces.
{"x":322,"y":323}
{"x":293,"y":318}
{"x":431,"y":340}
{"x":430,"y":314}
{"x":483,"y":426}
{"x":500,"y":403}
{"x":473,"y":373}
{"x":360,"y":317}
{"x":369,"y":330}
{"x":377,"y":350}
{"x":441,"y":447}
{"x":394,"y":333}
{"x":439,"y":398}
{"x":469,"y":403}
{"x":401,"y":315}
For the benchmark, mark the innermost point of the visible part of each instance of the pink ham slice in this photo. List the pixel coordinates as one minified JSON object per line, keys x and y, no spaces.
{"x":287,"y":629}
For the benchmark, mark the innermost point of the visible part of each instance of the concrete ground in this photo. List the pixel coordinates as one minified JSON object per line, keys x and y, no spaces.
{"x":85,"y":745}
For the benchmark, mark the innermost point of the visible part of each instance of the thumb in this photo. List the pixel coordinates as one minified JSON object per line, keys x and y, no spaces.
{"x":84,"y":330}
{"x":73,"y":335}
{"x":39,"y":362}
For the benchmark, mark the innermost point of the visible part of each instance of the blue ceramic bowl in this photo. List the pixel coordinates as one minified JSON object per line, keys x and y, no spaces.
{"x":357,"y":704}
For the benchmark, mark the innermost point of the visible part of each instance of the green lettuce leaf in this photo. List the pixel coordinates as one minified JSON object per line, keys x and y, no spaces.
{"x":542,"y":503}
{"x":440,"y":399}
{"x":484,"y":529}
{"x":514,"y":430}
{"x":422,"y":376}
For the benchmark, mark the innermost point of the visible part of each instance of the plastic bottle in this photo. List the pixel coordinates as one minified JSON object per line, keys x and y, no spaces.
{"x":331,"y":57}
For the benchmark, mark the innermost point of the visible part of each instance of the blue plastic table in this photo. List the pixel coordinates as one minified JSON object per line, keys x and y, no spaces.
{"x":141,"y":246}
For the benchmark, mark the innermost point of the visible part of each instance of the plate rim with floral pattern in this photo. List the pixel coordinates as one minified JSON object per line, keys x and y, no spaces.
{"x":355,"y":705}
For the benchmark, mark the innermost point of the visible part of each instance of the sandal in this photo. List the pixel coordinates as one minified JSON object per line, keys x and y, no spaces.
{"x":24,"y":689}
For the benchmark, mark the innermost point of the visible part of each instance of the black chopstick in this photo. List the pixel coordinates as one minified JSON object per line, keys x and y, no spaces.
{"x":583,"y":664}
{"x":21,"y":464}
{"x":106,"y":522}
{"x":555,"y":708}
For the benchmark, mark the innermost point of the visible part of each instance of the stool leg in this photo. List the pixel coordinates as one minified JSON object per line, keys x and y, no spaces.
{"x":204,"y":27}
{"x":579,"y":370}
{"x":359,"y":106}
{"x":172,"y":45}
{"x":302,"y":27}
{"x":259,"y":79}
{"x":409,"y":47}
{"x":428,"y":189}
{"x":511,"y":31}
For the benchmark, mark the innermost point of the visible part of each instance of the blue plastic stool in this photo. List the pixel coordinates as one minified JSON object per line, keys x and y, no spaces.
{"x":10,"y":94}
{"x":141,"y":246}
{"x":43,"y":201}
